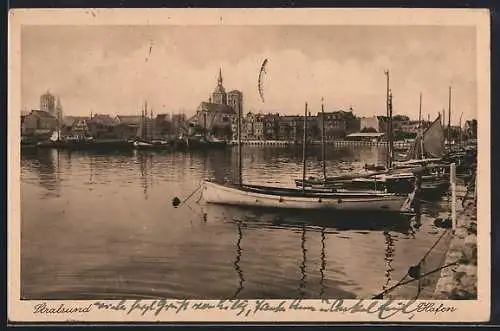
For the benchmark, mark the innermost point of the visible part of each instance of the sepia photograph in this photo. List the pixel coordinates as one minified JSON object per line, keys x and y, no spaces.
{"x":208,"y":161}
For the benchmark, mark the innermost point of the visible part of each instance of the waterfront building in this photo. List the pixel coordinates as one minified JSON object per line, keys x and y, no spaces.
{"x":253,"y":127}
{"x":39,"y":122}
{"x":77,"y":126}
{"x":218,"y":116}
{"x":374,"y":123}
{"x":130,"y":126}
{"x":101,"y":126}
{"x":337,"y":124}
{"x":270,"y":123}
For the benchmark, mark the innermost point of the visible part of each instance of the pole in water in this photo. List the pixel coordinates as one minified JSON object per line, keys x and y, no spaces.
{"x":323,"y":139}
{"x":453,"y":195}
{"x":304,"y":149}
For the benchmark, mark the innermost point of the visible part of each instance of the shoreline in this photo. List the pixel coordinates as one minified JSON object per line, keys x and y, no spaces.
{"x":459,"y":282}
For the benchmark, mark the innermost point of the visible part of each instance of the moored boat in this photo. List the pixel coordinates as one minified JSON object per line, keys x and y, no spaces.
{"x":293,"y":198}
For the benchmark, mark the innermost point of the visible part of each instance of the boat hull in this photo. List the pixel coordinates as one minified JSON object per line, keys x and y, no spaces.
{"x":254,"y":196}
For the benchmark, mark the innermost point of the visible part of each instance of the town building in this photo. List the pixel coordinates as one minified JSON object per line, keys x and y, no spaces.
{"x":253,"y":127}
{"x":373,"y":124}
{"x":271,"y":126}
{"x":337,"y":124}
{"x":38,"y":122}
{"x":130,"y":126}
{"x":101,"y":126}
{"x":218,"y":116}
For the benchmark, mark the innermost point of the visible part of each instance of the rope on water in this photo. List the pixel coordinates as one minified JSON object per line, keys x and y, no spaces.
{"x":401,"y":283}
{"x":176,"y":201}
{"x":414,"y":271}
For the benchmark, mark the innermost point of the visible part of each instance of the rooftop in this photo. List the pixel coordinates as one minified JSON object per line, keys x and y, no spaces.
{"x":42,"y":113}
{"x":215,"y":107}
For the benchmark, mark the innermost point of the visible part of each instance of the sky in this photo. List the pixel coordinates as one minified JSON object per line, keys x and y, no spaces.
{"x":110,"y":69}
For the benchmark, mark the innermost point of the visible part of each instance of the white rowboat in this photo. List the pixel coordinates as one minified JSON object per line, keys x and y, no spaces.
{"x":291,"y":198}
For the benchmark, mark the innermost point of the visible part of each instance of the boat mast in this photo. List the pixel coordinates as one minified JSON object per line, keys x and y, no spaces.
{"x":240,"y":162}
{"x":304,"y":149}
{"x":152,"y":124}
{"x":386,"y":72}
{"x":205,"y":124}
{"x":323,"y":138}
{"x":449,"y":117}
{"x":460,"y":129}
{"x":421,"y":128}
{"x":391,"y":142}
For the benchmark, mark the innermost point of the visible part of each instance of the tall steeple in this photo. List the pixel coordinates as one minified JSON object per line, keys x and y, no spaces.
{"x":219,"y":80}
{"x":219,"y":95}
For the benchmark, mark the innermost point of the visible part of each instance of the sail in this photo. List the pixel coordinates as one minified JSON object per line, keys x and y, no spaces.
{"x":430,"y":144}
{"x":433,"y":140}
{"x":415,"y":150}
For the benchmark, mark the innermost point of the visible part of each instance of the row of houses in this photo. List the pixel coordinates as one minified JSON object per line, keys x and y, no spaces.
{"x":219,"y":121}
{"x":336,"y":124}
{"x":43,"y":123}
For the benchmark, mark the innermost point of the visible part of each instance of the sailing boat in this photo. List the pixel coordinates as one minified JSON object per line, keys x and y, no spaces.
{"x":399,"y":177}
{"x":259,"y":196}
{"x":145,"y":139}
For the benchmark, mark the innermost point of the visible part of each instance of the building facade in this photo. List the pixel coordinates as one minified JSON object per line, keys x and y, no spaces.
{"x":337,"y":124}
{"x":38,"y":122}
{"x":218,"y":116}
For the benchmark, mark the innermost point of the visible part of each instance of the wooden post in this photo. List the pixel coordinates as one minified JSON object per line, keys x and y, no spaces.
{"x":449,"y":118}
{"x":416,"y":198}
{"x":240,"y":159}
{"x":323,"y":138}
{"x":453,"y":195}
{"x":304,"y":150}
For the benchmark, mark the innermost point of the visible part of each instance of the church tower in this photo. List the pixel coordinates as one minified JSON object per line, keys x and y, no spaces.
{"x":59,"y":111}
{"x":219,"y":95}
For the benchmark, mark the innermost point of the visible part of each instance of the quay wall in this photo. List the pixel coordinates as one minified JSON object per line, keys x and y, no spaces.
{"x":398,"y":144}
{"x":460,"y":281}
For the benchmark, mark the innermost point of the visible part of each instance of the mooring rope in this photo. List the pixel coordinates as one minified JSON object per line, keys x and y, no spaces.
{"x":415,"y":268}
{"x":401,"y":283}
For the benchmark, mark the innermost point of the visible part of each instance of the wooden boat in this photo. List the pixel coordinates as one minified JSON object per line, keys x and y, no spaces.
{"x":293,"y":198}
{"x":244,"y":195}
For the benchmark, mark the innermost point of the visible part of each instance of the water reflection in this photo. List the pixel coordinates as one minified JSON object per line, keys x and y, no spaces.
{"x":388,"y":258}
{"x":302,"y":284}
{"x":175,"y":255}
{"x":144,"y":160}
{"x":44,"y":163}
{"x":237,"y":266}
{"x":323,"y":265}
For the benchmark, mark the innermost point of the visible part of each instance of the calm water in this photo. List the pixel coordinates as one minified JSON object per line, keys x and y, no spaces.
{"x":103,"y":226}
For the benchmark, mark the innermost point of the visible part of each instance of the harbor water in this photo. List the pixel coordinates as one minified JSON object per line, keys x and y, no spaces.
{"x":102,"y":225}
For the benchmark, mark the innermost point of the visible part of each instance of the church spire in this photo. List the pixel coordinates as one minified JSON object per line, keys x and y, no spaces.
{"x":219,"y":80}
